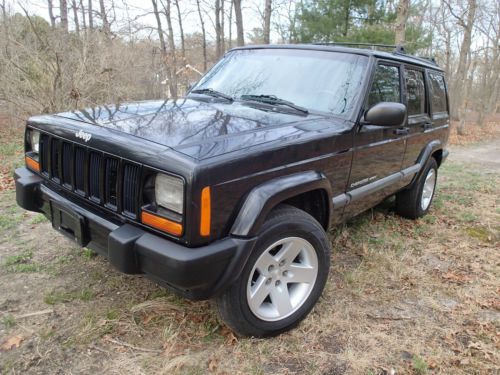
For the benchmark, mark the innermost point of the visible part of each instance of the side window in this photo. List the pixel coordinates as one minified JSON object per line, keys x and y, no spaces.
{"x":438,"y":93}
{"x":385,"y":86}
{"x":415,"y":90}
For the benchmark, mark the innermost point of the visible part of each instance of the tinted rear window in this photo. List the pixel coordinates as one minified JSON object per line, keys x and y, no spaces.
{"x":415,"y":89}
{"x":438,"y":93}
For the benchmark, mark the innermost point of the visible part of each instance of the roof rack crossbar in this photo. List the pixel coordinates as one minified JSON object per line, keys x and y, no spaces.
{"x":397,"y":48}
{"x":429,"y":60}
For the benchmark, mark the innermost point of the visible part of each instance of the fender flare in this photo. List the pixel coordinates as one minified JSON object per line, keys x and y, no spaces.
{"x":424,"y":156}
{"x":263,"y":198}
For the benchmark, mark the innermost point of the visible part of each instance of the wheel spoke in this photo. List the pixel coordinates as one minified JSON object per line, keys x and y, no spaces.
{"x":301,"y":274}
{"x":281,"y":300}
{"x":289,"y":252}
{"x":259,"y":292}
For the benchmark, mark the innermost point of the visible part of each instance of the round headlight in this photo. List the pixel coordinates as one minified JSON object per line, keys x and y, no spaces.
{"x":169,"y":192}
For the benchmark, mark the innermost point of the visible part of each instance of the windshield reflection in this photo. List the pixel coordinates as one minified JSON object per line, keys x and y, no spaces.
{"x":317,"y":80}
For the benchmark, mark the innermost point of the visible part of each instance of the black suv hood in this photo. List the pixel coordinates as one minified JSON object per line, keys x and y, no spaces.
{"x":203,"y":129}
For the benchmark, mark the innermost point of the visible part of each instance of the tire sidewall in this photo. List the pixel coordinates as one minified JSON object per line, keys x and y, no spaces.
{"x":431,"y":164}
{"x":315,"y":235}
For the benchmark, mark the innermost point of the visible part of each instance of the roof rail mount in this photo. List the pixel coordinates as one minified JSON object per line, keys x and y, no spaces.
{"x":399,"y":48}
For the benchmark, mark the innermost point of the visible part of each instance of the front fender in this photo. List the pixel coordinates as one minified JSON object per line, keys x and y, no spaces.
{"x":263,"y":198}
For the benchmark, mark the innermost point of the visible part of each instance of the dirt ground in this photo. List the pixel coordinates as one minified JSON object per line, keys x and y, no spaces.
{"x":403,"y":297}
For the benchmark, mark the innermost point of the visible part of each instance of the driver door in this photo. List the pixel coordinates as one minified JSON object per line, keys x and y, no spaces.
{"x":378,"y":150}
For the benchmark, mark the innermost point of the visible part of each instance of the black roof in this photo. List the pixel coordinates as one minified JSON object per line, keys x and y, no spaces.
{"x":397,"y":56}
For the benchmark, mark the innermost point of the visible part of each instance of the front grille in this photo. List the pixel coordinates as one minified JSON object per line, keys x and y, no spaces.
{"x":130,"y":175}
{"x":101,"y":178}
{"x":79,"y":169}
{"x":111,"y":178}
{"x":44,"y":154}
{"x":66,"y":161}
{"x":95,"y":176}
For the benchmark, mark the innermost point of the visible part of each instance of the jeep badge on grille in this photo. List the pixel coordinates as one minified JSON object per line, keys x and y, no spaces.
{"x":85,"y":136}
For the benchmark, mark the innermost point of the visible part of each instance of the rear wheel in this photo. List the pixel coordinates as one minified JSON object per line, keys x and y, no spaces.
{"x":415,"y":202}
{"x":283,"y":277}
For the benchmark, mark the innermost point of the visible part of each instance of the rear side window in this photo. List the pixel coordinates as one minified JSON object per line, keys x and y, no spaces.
{"x":415,"y":91}
{"x":385,"y":86}
{"x":438,"y":93}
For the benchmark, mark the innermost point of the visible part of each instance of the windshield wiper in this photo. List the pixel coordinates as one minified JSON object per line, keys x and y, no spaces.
{"x":212,"y":92}
{"x":273,"y":99}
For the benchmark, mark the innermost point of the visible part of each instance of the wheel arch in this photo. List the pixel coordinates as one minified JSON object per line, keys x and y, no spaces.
{"x":309,"y":191}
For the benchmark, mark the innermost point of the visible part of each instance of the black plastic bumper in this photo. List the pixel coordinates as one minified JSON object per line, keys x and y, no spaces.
{"x":197,"y":273}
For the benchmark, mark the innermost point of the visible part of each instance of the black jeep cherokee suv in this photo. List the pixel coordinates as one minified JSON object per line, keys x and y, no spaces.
{"x":227,"y":193}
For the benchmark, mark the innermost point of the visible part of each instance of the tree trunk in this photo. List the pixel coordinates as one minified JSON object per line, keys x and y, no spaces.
{"x":51,"y":13}
{"x":218,"y":42}
{"x":84,"y":22}
{"x":171,"y":42}
{"x":91,"y":16}
{"x":461,"y":73}
{"x":6,"y":37}
{"x":401,"y":18}
{"x":222,"y":31}
{"x":347,"y":15}
{"x":105,"y":23}
{"x":163,"y":46}
{"x":203,"y":35}
{"x":75,"y":16}
{"x":267,"y":21}
{"x":181,"y":30}
{"x":63,"y":5}
{"x":239,"y":23}
{"x":230,"y":36}
{"x":464,"y":106}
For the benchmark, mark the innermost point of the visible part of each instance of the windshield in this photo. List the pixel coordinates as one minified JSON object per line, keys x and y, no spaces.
{"x":317,"y":80}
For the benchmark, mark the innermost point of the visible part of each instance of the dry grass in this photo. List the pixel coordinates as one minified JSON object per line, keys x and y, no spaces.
{"x":410,"y":297}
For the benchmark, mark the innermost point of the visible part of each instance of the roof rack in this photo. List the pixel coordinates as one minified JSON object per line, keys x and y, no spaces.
{"x":396,"y":48}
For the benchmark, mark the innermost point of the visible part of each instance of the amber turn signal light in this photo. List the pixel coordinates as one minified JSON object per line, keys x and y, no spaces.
{"x":205,"y":213}
{"x":161,"y":223}
{"x":32,"y":164}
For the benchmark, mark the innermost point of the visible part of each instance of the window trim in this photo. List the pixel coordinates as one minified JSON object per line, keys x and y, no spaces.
{"x":392,"y":63}
{"x":427,"y":108}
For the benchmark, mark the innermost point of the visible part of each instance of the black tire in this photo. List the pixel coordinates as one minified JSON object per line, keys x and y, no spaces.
{"x":409,"y":201}
{"x":283,"y":222}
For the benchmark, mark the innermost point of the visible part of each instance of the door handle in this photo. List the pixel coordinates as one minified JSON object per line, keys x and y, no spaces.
{"x":402,"y":131}
{"x":427,"y":125}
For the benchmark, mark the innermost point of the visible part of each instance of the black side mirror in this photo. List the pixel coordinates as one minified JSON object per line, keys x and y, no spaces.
{"x":386,"y":114}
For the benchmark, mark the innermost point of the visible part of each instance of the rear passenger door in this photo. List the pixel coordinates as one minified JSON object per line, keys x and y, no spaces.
{"x":418,"y":110}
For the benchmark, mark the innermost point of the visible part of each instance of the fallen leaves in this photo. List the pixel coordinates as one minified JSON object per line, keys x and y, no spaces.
{"x":229,"y":336}
{"x":12,"y":342}
{"x":459,"y":278}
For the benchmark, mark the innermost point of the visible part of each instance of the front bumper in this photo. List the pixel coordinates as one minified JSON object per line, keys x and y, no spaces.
{"x":197,"y":273}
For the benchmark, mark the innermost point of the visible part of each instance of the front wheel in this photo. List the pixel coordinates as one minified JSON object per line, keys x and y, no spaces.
{"x":283,"y":278}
